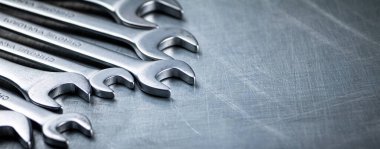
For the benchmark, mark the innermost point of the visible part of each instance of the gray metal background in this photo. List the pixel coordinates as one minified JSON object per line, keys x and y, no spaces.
{"x":271,"y":74}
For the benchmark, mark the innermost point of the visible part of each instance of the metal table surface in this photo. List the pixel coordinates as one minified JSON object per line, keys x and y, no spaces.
{"x":271,"y":74}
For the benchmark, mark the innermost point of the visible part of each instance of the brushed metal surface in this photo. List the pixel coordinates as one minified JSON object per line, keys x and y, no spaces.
{"x":271,"y":74}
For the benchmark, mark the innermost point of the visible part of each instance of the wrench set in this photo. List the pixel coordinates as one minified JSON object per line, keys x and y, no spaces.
{"x":39,"y":88}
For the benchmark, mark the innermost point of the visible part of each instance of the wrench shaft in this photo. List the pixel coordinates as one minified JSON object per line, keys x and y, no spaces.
{"x":22,"y":76}
{"x":43,"y":58}
{"x":15,"y":103}
{"x":108,"y":4}
{"x":82,"y":21}
{"x":72,"y":45}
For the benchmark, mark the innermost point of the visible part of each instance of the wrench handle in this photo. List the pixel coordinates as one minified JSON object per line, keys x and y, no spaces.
{"x":85,"y":22}
{"x":74,"y":46}
{"x":44,"y":58}
{"x":107,"y":4}
{"x":21,"y":76}
{"x":16,"y":103}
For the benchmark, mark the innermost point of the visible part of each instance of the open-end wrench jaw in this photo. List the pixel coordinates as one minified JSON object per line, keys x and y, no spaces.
{"x":101,"y":80}
{"x":150,"y":75}
{"x":16,"y":124}
{"x":40,"y":87}
{"x":52,"y":124}
{"x":130,"y":12}
{"x":55,"y":84}
{"x":53,"y":128}
{"x":151,"y":43}
{"x":148,"y":44}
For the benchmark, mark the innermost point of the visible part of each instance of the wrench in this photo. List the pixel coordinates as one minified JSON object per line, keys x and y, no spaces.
{"x":148,"y":44}
{"x":40,"y":86}
{"x":99,"y":79}
{"x":13,"y":123}
{"x":130,"y":12}
{"x":148,"y":73}
{"x":52,"y":124}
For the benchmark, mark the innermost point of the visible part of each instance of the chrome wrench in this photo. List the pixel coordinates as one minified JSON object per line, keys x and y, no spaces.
{"x":52,"y":124}
{"x":148,"y":44}
{"x":13,"y":123}
{"x":130,"y":12}
{"x":99,"y":79}
{"x":40,"y":87}
{"x":148,"y":73}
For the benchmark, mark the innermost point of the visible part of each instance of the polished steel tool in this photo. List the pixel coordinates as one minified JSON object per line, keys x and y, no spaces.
{"x":40,"y":87}
{"x":148,"y":73}
{"x":99,"y":79}
{"x":148,"y":44}
{"x":16,"y":124}
{"x":52,"y":124}
{"x":130,"y":12}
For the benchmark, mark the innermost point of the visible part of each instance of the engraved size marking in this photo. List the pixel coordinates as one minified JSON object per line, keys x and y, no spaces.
{"x":47,"y":8}
{"x":26,"y":50}
{"x":3,"y":97}
{"x":35,"y":29}
{"x":7,"y":44}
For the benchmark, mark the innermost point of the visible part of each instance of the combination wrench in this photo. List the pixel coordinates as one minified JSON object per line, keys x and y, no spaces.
{"x":131,"y":12}
{"x":148,"y":44}
{"x":15,"y":124}
{"x":148,"y":73}
{"x":40,"y":87}
{"x":52,"y":124}
{"x":99,"y":79}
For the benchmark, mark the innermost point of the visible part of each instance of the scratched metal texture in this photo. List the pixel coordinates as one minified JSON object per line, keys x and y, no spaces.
{"x":289,"y":74}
